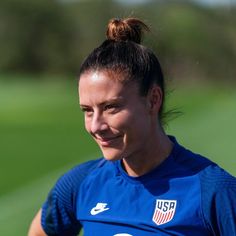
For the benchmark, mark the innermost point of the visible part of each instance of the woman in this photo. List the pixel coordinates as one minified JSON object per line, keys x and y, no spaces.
{"x":146,"y":184}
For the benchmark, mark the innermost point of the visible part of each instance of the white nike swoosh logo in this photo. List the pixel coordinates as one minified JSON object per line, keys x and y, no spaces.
{"x":96,"y":211}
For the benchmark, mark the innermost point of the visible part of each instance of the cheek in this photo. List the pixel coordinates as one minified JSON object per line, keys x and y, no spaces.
{"x":138,"y":124}
{"x":120,"y":121}
{"x":87,"y":124}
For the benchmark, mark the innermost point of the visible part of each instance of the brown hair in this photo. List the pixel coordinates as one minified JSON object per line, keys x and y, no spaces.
{"x":122,"y":53}
{"x":130,"y":29}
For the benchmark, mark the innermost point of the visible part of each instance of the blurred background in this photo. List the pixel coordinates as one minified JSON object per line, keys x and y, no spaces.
{"x":42,"y":44}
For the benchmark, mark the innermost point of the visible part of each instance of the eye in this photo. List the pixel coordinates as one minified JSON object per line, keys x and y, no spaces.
{"x":109,"y":106}
{"x":87,"y":110}
{"x":112,"y":108}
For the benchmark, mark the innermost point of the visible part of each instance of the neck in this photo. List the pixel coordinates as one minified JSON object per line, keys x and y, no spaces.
{"x":152,"y":155}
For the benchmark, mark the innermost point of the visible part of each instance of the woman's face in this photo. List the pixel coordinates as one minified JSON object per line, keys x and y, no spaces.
{"x":116,"y":116}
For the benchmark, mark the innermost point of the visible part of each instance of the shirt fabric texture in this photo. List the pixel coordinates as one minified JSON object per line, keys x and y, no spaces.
{"x":186,"y":195}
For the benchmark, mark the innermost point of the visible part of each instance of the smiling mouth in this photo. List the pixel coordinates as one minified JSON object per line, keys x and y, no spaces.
{"x":105,"y":142}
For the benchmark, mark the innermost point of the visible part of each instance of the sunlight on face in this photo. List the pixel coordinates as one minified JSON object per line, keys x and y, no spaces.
{"x":116,"y":116}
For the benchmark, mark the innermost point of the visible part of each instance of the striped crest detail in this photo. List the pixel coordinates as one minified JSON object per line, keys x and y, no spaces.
{"x":164,"y":211}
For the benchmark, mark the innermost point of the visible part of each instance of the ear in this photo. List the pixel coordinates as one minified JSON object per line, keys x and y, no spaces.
{"x":155,"y":96}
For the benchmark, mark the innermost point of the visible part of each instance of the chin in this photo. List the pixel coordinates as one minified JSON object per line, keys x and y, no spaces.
{"x":112,"y":155}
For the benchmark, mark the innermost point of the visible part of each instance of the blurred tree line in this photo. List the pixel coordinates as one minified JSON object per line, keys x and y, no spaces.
{"x":53,"y":37}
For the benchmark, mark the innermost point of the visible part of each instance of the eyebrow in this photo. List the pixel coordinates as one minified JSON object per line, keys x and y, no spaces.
{"x":117,"y":99}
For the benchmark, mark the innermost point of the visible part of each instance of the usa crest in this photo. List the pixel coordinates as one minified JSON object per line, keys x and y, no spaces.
{"x":164,"y":211}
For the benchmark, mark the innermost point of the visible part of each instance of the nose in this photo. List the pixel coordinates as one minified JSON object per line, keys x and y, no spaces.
{"x":98,"y":123}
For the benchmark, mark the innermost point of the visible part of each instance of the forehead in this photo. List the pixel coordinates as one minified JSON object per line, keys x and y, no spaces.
{"x":97,"y":85}
{"x":96,"y":78}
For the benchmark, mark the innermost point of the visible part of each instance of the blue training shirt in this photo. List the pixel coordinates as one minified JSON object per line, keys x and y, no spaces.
{"x":186,"y":195}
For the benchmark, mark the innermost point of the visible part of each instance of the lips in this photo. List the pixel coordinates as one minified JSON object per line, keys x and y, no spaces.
{"x":107,"y":141}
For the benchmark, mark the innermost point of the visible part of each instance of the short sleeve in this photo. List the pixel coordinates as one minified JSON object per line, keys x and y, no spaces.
{"x":59,"y":210}
{"x":219,"y":201}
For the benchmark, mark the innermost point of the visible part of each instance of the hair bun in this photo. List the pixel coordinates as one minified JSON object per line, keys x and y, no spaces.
{"x":129,"y":29}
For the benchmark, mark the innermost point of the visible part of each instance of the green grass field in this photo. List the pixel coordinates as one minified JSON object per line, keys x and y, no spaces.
{"x":42,"y":135}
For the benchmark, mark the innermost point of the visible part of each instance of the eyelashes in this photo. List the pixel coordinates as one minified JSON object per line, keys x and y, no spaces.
{"x":108,"y":108}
